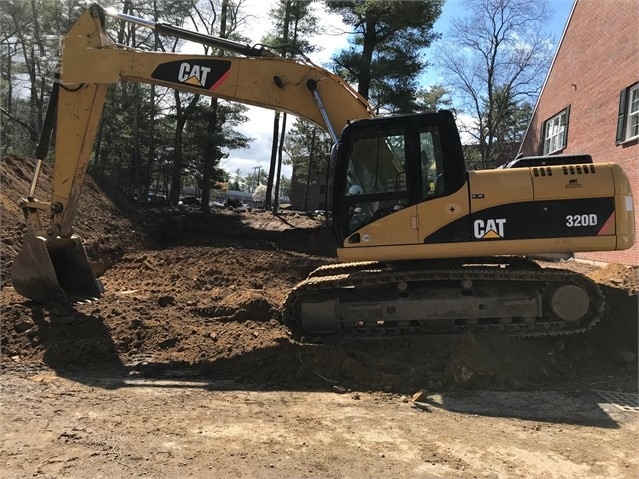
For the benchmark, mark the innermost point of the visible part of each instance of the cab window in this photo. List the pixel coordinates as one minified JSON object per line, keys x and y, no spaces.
{"x":376,"y":177}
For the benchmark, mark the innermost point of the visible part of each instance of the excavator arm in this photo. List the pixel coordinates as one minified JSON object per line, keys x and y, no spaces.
{"x":52,"y":263}
{"x":91,"y":61}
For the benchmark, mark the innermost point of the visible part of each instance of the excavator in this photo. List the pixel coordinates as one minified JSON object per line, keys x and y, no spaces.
{"x":425,"y":246}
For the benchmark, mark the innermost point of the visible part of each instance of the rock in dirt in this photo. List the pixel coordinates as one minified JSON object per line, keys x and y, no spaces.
{"x":420,"y":396}
{"x":23,"y":325}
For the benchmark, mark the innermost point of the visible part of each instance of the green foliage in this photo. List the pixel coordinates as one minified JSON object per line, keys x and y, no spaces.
{"x":237,"y":181}
{"x":285,"y":186}
{"x":136,"y":145}
{"x":434,"y":98}
{"x":385,"y":56}
{"x":510,"y":118}
{"x":293,"y":22}
{"x":29,"y":42}
{"x":306,"y":145}
{"x":224,"y":137}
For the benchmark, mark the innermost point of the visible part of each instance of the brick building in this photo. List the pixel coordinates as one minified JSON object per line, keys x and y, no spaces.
{"x":590,"y":99}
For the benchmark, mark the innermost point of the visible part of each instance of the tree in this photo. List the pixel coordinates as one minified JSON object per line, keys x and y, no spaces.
{"x":133,"y":111}
{"x":306,"y":146}
{"x":434,"y":98}
{"x":293,"y":21}
{"x":510,"y":130}
{"x":221,"y":20}
{"x":285,"y":186}
{"x":29,"y":33}
{"x":237,"y":181}
{"x":495,"y":58}
{"x":385,"y":56}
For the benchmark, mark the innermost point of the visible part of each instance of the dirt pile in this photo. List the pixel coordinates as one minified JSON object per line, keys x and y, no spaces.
{"x":203,"y":294}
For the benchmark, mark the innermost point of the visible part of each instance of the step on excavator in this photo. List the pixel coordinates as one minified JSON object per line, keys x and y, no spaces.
{"x":425,"y":245}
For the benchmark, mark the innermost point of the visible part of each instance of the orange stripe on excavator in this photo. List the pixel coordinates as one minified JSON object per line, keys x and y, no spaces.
{"x":609,"y":226}
{"x":221,"y":80}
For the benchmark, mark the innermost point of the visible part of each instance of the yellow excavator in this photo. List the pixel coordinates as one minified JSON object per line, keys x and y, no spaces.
{"x":426,"y":246}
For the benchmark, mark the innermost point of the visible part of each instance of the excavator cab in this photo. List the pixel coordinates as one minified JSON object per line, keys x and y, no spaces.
{"x":385,"y":165}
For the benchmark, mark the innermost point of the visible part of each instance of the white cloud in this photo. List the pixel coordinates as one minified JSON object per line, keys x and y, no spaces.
{"x":260,"y":128}
{"x":464,"y":123}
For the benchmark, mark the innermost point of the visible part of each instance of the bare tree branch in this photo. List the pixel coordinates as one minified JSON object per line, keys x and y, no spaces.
{"x":495,"y":62}
{"x":33,"y":134}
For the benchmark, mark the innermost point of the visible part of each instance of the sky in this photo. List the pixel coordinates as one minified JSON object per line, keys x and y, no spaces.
{"x":260,"y":124}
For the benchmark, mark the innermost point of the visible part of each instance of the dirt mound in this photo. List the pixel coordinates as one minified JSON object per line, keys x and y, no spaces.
{"x":203,"y":293}
{"x":619,"y":276}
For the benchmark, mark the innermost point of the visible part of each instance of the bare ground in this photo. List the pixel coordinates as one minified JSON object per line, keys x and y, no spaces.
{"x":182,"y":367}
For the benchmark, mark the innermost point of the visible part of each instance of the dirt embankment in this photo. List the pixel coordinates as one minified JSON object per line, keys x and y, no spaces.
{"x":204,"y":293}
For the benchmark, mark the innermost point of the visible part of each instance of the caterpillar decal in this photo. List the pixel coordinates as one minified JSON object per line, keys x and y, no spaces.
{"x":489,"y":229}
{"x":207,"y":74}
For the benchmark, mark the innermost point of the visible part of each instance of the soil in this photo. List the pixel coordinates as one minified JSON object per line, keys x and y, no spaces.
{"x":183,"y":368}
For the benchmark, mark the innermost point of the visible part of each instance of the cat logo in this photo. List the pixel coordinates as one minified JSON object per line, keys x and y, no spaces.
{"x":193,"y":74}
{"x":489,"y":229}
{"x":199,"y":73}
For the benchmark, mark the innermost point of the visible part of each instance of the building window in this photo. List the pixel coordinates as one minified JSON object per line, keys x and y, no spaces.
{"x":628,"y":122}
{"x":555,"y":132}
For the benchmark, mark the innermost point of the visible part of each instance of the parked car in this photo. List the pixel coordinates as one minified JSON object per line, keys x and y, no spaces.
{"x":189,"y":201}
{"x":156,"y":198}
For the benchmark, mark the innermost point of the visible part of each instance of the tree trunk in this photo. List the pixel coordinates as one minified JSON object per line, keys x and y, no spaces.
{"x":135,"y":159}
{"x":311,"y":160}
{"x":181,"y":117}
{"x":211,"y":128}
{"x":148,"y":177}
{"x":273,"y":178}
{"x":209,"y":156}
{"x":271,"y":170}
{"x":364,"y":75}
{"x":176,"y":176}
{"x":276,"y":196}
{"x":98,"y":151}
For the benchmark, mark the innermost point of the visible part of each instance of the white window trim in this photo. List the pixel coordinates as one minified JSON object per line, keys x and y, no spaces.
{"x":554,"y":132}
{"x":630,"y":115}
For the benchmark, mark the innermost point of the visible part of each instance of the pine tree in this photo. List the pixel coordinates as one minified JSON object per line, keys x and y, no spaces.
{"x":385,"y":56}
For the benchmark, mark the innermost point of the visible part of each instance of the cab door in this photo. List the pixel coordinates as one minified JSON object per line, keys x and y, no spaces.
{"x":378,"y":210}
{"x":443,"y":206}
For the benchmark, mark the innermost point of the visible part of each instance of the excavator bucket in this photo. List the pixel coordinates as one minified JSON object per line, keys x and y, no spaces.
{"x":54,"y":270}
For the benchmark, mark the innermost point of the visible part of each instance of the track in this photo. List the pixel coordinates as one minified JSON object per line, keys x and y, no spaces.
{"x":483,"y":295}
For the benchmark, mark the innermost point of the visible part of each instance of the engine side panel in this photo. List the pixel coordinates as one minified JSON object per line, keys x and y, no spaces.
{"x":560,"y":201}
{"x":550,"y":209}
